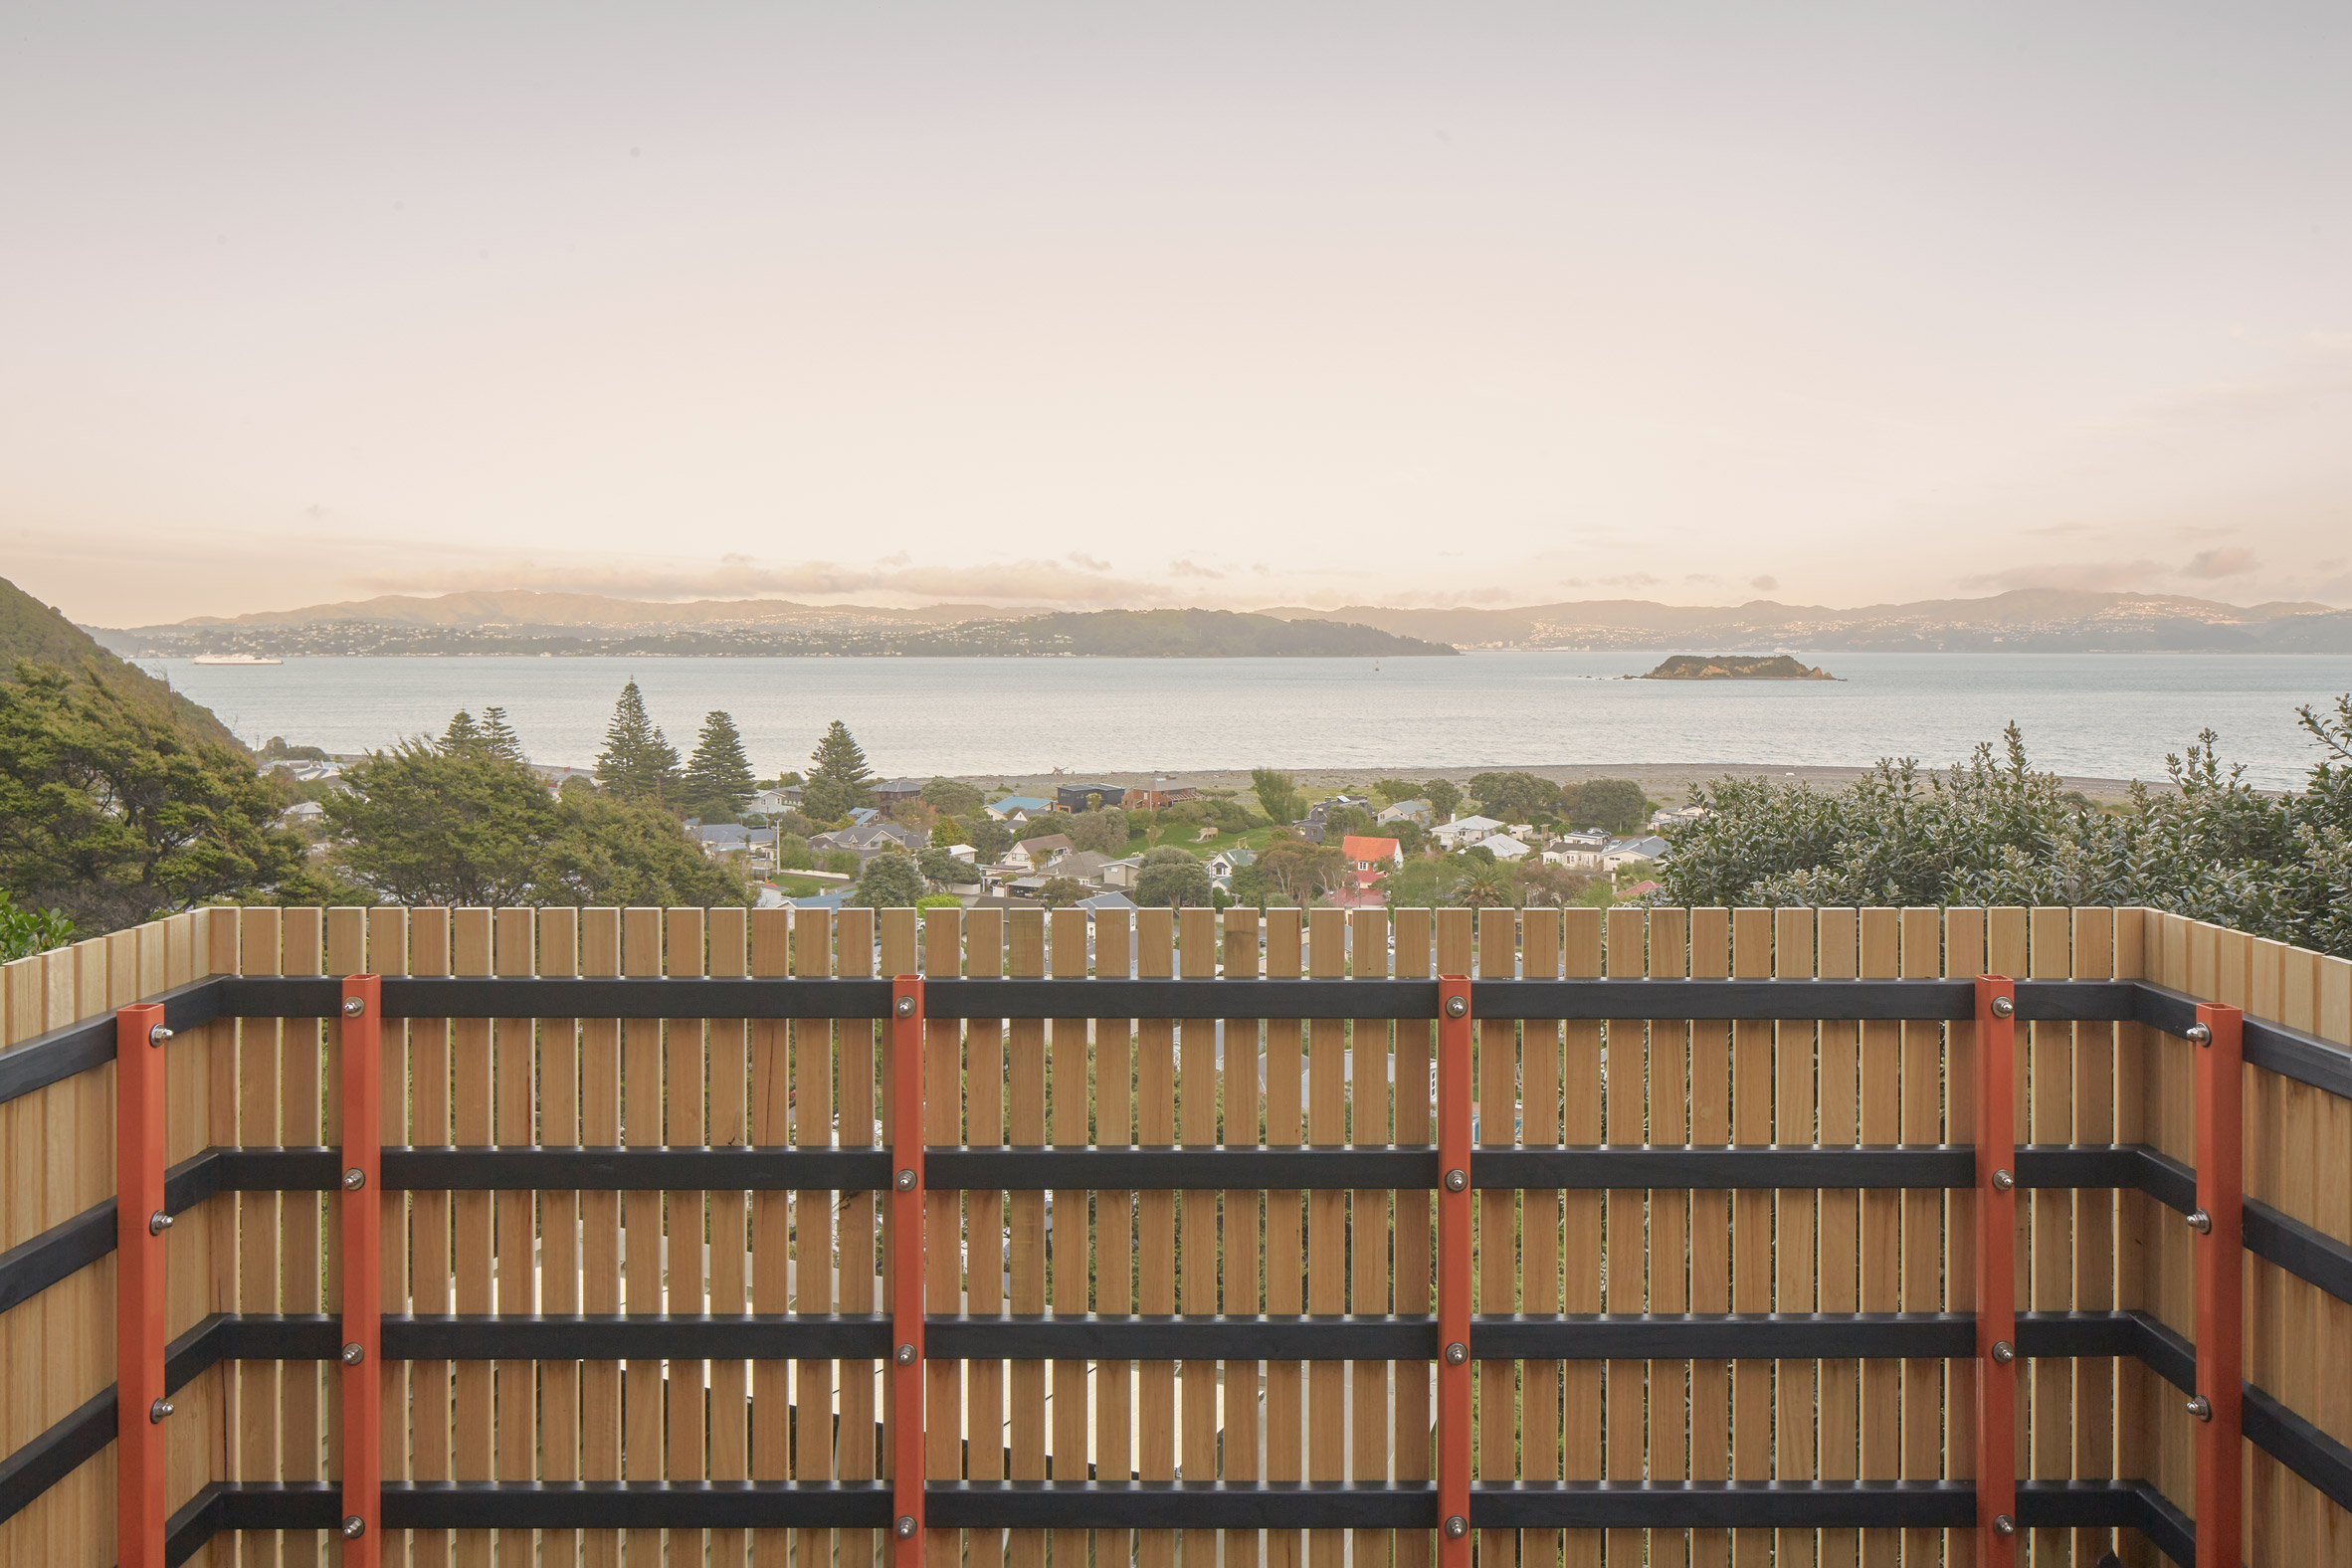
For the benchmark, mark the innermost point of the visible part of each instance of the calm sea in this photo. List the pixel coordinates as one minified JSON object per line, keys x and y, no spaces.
{"x":2104,"y":715}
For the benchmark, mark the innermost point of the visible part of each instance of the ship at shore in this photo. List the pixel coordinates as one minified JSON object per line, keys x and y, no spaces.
{"x":235,"y":658}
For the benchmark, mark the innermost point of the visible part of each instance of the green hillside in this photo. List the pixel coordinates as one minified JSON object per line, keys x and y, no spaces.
{"x":31,"y":630}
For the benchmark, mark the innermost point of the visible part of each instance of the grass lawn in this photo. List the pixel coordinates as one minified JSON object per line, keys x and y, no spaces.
{"x":800,"y":887}
{"x":1181,"y":838}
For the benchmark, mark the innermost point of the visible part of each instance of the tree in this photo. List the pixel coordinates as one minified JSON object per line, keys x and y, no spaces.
{"x":1105,"y":831}
{"x":608,"y":851}
{"x":24,"y":933}
{"x":1300,"y":872}
{"x":1062,"y":892}
{"x":990,"y":838}
{"x":1613,"y":805}
{"x":951,"y":797}
{"x":1278,"y":795}
{"x":1175,"y":885}
{"x":1515,"y":797}
{"x":463,"y":735}
{"x":1554,"y":886}
{"x":1406,"y":832}
{"x":940,"y":868}
{"x":792,"y":851}
{"x":443,"y":825}
{"x":499,"y":738}
{"x":1487,"y":887}
{"x":111,"y":816}
{"x":891,"y":880}
{"x":638,"y":762}
{"x":1443,"y":797}
{"x":718,"y":773}
{"x":1391,"y":791}
{"x":839,"y":783}
{"x":1340,"y":821}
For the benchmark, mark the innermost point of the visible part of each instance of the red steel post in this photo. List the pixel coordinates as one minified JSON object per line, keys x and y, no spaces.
{"x":2221,"y":1276}
{"x":362,"y":1036}
{"x":1996,"y":1271}
{"x":1453,"y":1272}
{"x":141,"y":1503}
{"x":906,"y":1270}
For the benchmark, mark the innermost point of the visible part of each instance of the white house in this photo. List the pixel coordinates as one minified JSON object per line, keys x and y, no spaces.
{"x":1624,"y":851}
{"x":768,"y":802}
{"x":1225,"y":863}
{"x":1462,"y":831}
{"x":1580,"y":850}
{"x":1505,"y":847}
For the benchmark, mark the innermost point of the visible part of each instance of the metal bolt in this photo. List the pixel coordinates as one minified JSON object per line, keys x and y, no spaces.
{"x":354,"y":1007}
{"x":1457,"y":1353}
{"x":1456,"y":1527}
{"x":905,"y":1007}
{"x":353,"y":1527}
{"x":2003,"y":1181}
{"x":906,"y":1181}
{"x":2200,"y":1222}
{"x":2200,"y":1034}
{"x":158,"y":1223}
{"x":2003,"y":1526}
{"x":157,"y":1411}
{"x":1456,"y":1181}
{"x":2201,"y":1407}
{"x":2003,"y":1352}
{"x":906,"y":1526}
{"x":354,"y":1179}
{"x":907,"y":1355}
{"x":1457,"y":1006}
{"x":2003,"y":1006}
{"x":354,"y":1355}
{"x":159,"y":1035}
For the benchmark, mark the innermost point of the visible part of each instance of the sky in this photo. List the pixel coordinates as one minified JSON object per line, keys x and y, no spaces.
{"x":1192,"y":303}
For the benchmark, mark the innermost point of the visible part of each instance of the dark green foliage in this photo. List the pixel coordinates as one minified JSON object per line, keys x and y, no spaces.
{"x":1405,"y":831}
{"x":951,"y":797}
{"x":1998,"y":833}
{"x":499,"y":738}
{"x":1485,"y":885}
{"x":276,"y":749}
{"x":1062,"y":892}
{"x":1042,"y":826}
{"x":1174,"y":883}
{"x":1341,"y":821}
{"x":990,"y":838}
{"x":940,"y":868}
{"x":1105,"y":831}
{"x":891,"y":880}
{"x":427,"y":826}
{"x":839,"y":783}
{"x":792,"y":851}
{"x":1612,"y":805}
{"x":1443,"y":796}
{"x":31,"y":630}
{"x":1515,"y":797}
{"x":1278,"y":795}
{"x":110,"y":814}
{"x":463,"y":735}
{"x":24,"y":933}
{"x":638,"y":762}
{"x":1392,"y":791}
{"x":718,"y":773}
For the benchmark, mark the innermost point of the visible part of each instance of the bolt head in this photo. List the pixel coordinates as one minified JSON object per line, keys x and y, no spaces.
{"x":905,"y":1181}
{"x":2200,"y":1034}
{"x":906,"y":1526}
{"x":907,"y":1355}
{"x":157,"y":1411}
{"x":2003,"y":1526}
{"x":2200,"y":1222}
{"x":353,"y":1527}
{"x":2003,"y":1006}
{"x":1457,"y":1006}
{"x":354,"y":1179}
{"x":354,"y":1355}
{"x":2003,"y":1352}
{"x":2003,"y":1181}
{"x":904,"y":1007}
{"x":159,"y":1035}
{"x":158,"y":1223}
{"x":2201,"y":1407}
{"x":1457,"y":1353}
{"x":1456,"y":1527}
{"x":354,"y":1007}
{"x":1458,"y":1181}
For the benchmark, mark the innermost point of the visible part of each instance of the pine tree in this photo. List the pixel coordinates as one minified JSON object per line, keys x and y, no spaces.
{"x":463,"y":733}
{"x":499,"y":738}
{"x":718,"y":773}
{"x":637,"y":762}
{"x":838,"y":784}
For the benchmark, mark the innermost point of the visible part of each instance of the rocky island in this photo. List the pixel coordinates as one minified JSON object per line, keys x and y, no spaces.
{"x":1736,"y":667}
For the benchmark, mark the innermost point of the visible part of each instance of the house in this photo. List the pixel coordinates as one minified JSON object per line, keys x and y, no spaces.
{"x":1226,"y":862}
{"x":1086,"y":797}
{"x":865,"y":816}
{"x":869,"y":840}
{"x":830,"y":903}
{"x":1462,"y":831}
{"x":1122,"y":873}
{"x":1014,"y":810}
{"x":1106,"y":904}
{"x":1160,"y":792}
{"x":964,"y":853}
{"x":1036,"y":852}
{"x":768,"y":802}
{"x":1624,"y":851}
{"x":1078,"y":866}
{"x":1416,"y":810}
{"x":893,"y":796}
{"x":1580,"y":850}
{"x":1369,"y":860}
{"x":301,"y":811}
{"x":1640,"y":890}
{"x":757,"y":846}
{"x":1322,"y":809}
{"x":1506,"y":848}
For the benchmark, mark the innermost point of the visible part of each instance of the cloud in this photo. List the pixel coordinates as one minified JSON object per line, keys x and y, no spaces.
{"x":1086,"y":562}
{"x":2057,"y":529}
{"x":1189,"y":568}
{"x":1765,"y":583}
{"x":2211,"y":564}
{"x":2082,"y":576}
{"x":1020,"y":582}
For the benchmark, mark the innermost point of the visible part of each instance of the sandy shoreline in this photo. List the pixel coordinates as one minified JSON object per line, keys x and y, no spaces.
{"x":1670,"y":783}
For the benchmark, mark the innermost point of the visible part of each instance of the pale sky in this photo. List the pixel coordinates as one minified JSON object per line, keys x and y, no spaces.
{"x":1182,"y":303}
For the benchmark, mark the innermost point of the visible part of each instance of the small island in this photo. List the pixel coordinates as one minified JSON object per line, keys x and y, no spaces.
{"x":1736,"y":667}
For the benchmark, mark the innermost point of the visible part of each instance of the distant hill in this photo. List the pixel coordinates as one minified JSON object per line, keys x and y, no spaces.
{"x":1733,"y":667}
{"x":2027,"y":620}
{"x":1177,"y":633}
{"x":522,"y":607}
{"x":32,"y":630}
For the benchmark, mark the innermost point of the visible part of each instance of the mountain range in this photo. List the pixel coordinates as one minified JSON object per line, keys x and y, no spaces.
{"x":522,"y":621}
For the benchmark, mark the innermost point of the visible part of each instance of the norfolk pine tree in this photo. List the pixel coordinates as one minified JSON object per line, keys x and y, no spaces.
{"x":718,"y":774}
{"x":838,"y":784}
{"x":637,"y":762}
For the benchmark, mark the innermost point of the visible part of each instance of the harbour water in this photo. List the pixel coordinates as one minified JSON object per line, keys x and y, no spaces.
{"x":2103,"y":715}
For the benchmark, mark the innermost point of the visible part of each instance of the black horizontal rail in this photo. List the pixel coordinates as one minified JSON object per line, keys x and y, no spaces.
{"x":1097,"y":1504}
